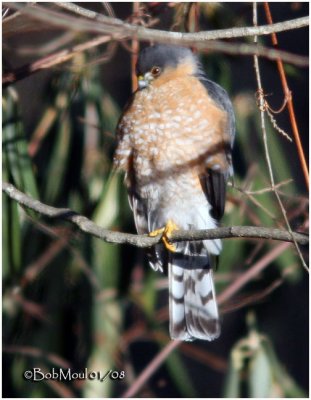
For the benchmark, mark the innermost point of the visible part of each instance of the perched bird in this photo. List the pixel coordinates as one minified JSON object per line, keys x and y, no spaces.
{"x":174,"y":143}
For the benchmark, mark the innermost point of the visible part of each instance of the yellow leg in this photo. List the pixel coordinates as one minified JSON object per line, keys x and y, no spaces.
{"x":166,"y":232}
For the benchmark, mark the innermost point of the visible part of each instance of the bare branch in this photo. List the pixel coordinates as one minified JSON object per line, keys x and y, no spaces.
{"x":87,"y":226}
{"x":37,"y":353}
{"x":96,"y":22}
{"x":153,"y":34}
{"x":67,"y":54}
{"x":120,"y":30}
{"x":51,"y":60}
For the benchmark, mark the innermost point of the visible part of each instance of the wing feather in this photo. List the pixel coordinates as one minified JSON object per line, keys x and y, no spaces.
{"x":214,"y":182}
{"x":214,"y":187}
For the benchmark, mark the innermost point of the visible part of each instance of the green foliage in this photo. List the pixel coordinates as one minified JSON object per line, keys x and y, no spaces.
{"x":17,"y":169}
{"x":17,"y":164}
{"x":255,"y":371}
{"x":72,"y":164}
{"x":181,"y":376}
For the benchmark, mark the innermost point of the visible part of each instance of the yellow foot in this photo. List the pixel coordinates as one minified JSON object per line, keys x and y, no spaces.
{"x":166,"y":232}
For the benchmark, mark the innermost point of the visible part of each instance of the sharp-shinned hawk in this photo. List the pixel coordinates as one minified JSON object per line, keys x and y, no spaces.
{"x":174,"y":143}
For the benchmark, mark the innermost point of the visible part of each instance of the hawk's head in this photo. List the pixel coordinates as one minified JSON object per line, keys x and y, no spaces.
{"x":157,"y":61}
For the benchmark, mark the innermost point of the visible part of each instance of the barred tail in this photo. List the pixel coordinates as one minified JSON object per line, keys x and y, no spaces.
{"x":193,"y":307}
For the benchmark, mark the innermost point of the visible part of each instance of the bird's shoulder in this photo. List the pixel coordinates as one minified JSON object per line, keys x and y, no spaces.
{"x":221,"y":99}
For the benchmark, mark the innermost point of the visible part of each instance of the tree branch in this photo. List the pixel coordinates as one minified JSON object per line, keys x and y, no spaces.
{"x":154,"y":34}
{"x":120,"y":30}
{"x":51,"y":60}
{"x":87,"y":226}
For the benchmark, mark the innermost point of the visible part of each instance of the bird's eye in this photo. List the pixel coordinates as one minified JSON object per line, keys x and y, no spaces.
{"x":156,"y":71}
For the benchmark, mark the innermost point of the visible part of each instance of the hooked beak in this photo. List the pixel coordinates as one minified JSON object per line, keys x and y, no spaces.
{"x":144,"y":80}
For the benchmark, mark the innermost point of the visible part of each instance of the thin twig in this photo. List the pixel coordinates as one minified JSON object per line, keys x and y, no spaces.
{"x":261,"y":191}
{"x":87,"y":226}
{"x":259,"y":205}
{"x":251,"y":273}
{"x":29,"y":307}
{"x":276,"y":127}
{"x":214,"y":361}
{"x":151,"y":368}
{"x":289,"y":103}
{"x":36,"y":353}
{"x":251,"y":299}
{"x":264,"y":136}
{"x":51,"y":60}
{"x":49,"y":47}
{"x":35,"y":268}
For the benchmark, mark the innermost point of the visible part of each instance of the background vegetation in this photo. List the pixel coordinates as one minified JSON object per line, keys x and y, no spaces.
{"x":73,"y":301}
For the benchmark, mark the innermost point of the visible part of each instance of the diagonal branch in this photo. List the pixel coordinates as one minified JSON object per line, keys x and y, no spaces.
{"x":87,"y":226}
{"x":51,"y":60}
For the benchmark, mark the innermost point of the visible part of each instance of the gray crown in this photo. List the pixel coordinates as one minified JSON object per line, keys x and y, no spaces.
{"x":161,"y":55}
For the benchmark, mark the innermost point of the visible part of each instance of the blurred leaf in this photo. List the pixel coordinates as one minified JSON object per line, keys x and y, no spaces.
{"x":106,"y":256}
{"x":111,"y":112}
{"x":254,"y":356}
{"x":232,"y":382}
{"x":66,"y":137}
{"x":59,"y":158}
{"x":108,"y":207}
{"x":287,"y":259}
{"x":230,"y":258}
{"x":5,"y":224}
{"x":18,"y":163}
{"x":18,"y":369}
{"x":283,"y":382}
{"x":292,"y":71}
{"x":260,"y":375}
{"x":15,"y":234}
{"x":106,"y":261}
{"x":148,"y":294}
{"x":17,"y":168}
{"x":180,"y":375}
{"x":107,"y":328}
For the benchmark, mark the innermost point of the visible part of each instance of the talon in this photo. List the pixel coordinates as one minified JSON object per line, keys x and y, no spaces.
{"x":166,"y":232}
{"x":170,"y":246}
{"x":156,"y":232}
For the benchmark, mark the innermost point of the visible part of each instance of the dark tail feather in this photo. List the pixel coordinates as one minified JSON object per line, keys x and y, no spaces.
{"x":193,"y":307}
